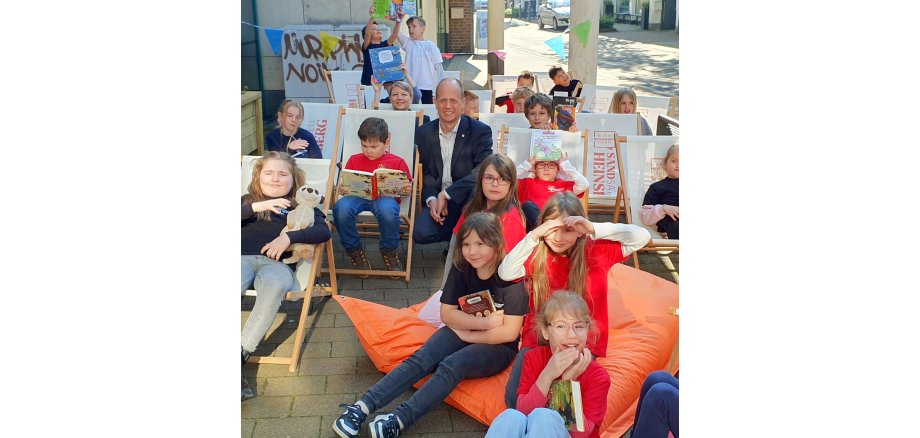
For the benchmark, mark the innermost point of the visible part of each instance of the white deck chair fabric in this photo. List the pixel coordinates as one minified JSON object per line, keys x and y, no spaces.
{"x":598,"y":98}
{"x":428,"y":108}
{"x":544,"y":83}
{"x":517,"y":146}
{"x":641,"y":165}
{"x":496,"y":120}
{"x":650,"y":107}
{"x":602,"y":157}
{"x":345,"y":88}
{"x":502,"y":84}
{"x":486,"y":100}
{"x":321,"y":119}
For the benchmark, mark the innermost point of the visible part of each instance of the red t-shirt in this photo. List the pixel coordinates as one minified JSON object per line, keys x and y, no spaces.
{"x":601,"y":256}
{"x":513,"y":228}
{"x":595,"y":382}
{"x":387,"y":161}
{"x":539,"y":191}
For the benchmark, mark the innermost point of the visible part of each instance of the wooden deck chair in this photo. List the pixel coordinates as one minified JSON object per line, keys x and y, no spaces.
{"x":497,"y":120}
{"x":344,"y":87}
{"x":602,"y":157}
{"x":667,"y":126}
{"x":486,"y":100}
{"x":598,"y":98}
{"x":515,"y":143}
{"x":401,"y":125}
{"x":318,"y":176}
{"x":427,"y":108}
{"x":320,"y":119}
{"x":640,"y":164}
{"x":543,"y":83}
{"x":503,"y":85}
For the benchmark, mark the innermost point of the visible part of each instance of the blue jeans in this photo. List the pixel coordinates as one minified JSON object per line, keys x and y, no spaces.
{"x":450,"y":359}
{"x":542,"y":423}
{"x":271,"y":279}
{"x":428,"y":231}
{"x":657,"y":411}
{"x":384,"y":208}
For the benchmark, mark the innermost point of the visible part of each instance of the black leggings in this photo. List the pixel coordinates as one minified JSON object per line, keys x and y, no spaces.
{"x":427,"y":96}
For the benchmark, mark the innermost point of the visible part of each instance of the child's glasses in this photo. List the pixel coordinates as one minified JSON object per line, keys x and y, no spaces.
{"x":562,"y":329}
{"x":546,"y":165}
{"x":489,"y":179}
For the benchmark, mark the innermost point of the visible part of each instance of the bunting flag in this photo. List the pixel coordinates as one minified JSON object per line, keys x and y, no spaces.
{"x":581,"y":31}
{"x":500,"y":54}
{"x":274,"y":39}
{"x":329,"y":43}
{"x":557,"y":46}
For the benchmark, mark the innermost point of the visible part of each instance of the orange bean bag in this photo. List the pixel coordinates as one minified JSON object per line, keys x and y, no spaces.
{"x":642,"y":339}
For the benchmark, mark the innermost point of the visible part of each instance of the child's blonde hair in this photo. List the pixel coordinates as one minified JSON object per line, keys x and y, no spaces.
{"x":618,"y":96}
{"x":287,"y":103}
{"x":255,"y":187}
{"x":562,"y":203}
{"x":522,"y":93}
{"x":562,"y":302}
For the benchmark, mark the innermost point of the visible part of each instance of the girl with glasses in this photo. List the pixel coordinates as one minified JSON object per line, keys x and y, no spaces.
{"x":540,"y":180}
{"x":566,"y":251}
{"x":563,"y":328}
{"x":290,"y":137}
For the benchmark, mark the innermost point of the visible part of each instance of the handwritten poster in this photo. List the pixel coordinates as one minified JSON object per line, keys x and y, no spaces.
{"x":302,"y":60}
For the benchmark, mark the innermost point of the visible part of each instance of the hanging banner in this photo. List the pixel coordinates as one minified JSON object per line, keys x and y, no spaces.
{"x":302,"y":58}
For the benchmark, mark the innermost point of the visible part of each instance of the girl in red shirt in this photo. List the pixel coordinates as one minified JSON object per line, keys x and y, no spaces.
{"x":564,"y":326}
{"x":540,"y":180}
{"x":566,"y":251}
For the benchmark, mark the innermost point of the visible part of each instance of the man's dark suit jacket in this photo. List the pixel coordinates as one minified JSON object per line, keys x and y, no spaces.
{"x":472,"y":145}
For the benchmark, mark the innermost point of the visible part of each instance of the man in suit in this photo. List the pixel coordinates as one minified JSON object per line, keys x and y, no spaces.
{"x":450,"y":150}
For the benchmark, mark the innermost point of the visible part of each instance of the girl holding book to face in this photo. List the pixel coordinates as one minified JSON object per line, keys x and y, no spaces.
{"x":566,"y":251}
{"x":290,"y":137}
{"x":467,"y":347}
{"x":375,"y":142}
{"x":563,"y":328}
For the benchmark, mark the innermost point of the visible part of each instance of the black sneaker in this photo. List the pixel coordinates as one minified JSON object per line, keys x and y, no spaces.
{"x":349,"y":423}
{"x":245,"y":391}
{"x":359,"y":260}
{"x":385,"y":426}
{"x":391,"y":261}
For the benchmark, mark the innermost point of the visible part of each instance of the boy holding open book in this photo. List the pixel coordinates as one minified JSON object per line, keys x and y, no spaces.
{"x":358,"y":183}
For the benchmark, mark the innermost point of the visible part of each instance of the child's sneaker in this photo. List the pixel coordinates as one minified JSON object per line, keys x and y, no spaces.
{"x":385,"y":426}
{"x":359,"y":260}
{"x":349,"y":423}
{"x":391,"y":261}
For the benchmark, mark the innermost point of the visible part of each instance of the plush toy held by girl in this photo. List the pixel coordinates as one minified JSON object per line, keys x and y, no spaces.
{"x":467,"y":347}
{"x":566,"y":251}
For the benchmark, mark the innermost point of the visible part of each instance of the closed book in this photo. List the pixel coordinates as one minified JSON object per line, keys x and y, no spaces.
{"x":564,"y":112}
{"x":565,"y":398}
{"x":385,"y":64}
{"x":477,"y":303}
{"x":545,"y":145}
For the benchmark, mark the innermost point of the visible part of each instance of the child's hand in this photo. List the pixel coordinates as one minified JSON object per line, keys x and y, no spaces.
{"x":579,"y":224}
{"x":672,"y":211}
{"x":573,"y":128}
{"x":272,"y":204}
{"x":561,"y":361}
{"x":546,"y":228}
{"x":276,"y":247}
{"x":340,"y":189}
{"x":373,"y":9}
{"x":495,"y":319}
{"x":375,"y":84}
{"x":547,"y":125}
{"x":578,"y":366}
{"x":298,"y":144}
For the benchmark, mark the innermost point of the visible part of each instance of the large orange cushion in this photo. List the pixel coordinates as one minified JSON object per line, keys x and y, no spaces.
{"x":642,"y":339}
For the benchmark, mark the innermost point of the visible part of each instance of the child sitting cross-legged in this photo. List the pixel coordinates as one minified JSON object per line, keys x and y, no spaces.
{"x":375,"y":142}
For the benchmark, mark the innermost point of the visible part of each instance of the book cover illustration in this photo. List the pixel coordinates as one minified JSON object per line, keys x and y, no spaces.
{"x":356,"y":183}
{"x":546,"y":145}
{"x":385,"y":62}
{"x":389,"y":182}
{"x":565,"y":398}
{"x":386,"y":9}
{"x":477,"y":303}
{"x":564,"y":112}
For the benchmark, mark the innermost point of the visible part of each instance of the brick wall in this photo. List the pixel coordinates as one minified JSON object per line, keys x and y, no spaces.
{"x":460,"y":37}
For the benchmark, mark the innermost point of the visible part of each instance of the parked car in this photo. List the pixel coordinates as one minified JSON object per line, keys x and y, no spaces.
{"x":555,"y":12}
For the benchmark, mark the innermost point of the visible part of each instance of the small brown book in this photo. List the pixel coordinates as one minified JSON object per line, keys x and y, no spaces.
{"x":477,"y":303}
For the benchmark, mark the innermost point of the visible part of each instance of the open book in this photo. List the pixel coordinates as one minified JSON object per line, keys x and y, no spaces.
{"x":545,"y":145}
{"x":382,"y":182}
{"x":564,"y":112}
{"x":477,"y":303}
{"x":565,"y":398}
